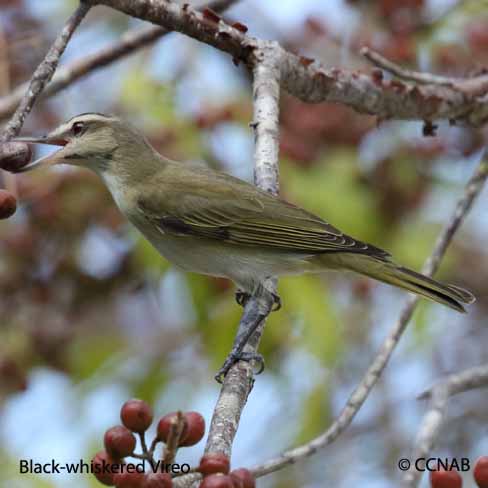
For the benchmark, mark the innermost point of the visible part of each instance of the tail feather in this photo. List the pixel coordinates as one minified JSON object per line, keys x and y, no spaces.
{"x":388,"y":272}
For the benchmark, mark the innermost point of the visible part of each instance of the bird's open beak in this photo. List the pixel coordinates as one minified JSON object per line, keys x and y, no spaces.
{"x":54,"y":158}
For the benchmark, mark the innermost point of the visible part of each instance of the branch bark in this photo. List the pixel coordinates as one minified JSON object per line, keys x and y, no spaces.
{"x":273,"y":67}
{"x":429,"y":429}
{"x":239,"y":381}
{"x":435,"y":416}
{"x":44,"y":72}
{"x":476,"y":377}
{"x":66,"y":75}
{"x":310,"y":81}
{"x":359,"y":395}
{"x":130,"y":42}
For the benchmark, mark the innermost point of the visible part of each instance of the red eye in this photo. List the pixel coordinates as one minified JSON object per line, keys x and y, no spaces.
{"x":78,"y":128}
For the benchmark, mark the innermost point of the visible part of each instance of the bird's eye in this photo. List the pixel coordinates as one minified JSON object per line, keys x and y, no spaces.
{"x":78,"y":128}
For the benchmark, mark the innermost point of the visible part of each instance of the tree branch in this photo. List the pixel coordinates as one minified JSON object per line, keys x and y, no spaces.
{"x":459,"y":382}
{"x":239,"y":381}
{"x":435,"y":416}
{"x":44,"y":72}
{"x":359,"y":395}
{"x":307,"y":79}
{"x":475,"y":86}
{"x":66,"y":75}
{"x":429,"y":429}
{"x":130,"y":42}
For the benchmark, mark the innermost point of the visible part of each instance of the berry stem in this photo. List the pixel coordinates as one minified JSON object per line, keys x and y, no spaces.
{"x":175,"y":430}
{"x":146,"y":454}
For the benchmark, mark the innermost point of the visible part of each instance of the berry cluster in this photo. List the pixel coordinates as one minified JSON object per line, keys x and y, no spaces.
{"x":174,"y":430}
{"x":452,"y":479}
{"x":215,"y":469}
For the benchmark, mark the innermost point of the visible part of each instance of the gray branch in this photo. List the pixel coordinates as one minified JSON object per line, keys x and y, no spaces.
{"x":369,"y":380}
{"x":239,"y":381}
{"x":44,"y":72}
{"x":429,"y":428}
{"x":130,"y":42}
{"x":309,"y":80}
{"x":435,"y":416}
{"x":66,"y":75}
{"x":469,"y":379}
{"x":274,"y":67}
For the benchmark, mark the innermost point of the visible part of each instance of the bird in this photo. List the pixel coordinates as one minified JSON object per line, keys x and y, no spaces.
{"x":210,"y":222}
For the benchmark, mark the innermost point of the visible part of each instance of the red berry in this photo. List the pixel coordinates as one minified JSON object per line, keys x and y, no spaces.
{"x":14,"y":155}
{"x":103,"y":468}
{"x":164,"y":426}
{"x":243,"y":478}
{"x":194,"y":429}
{"x":157,"y":480}
{"x":214,"y":462}
{"x":445,"y":479}
{"x":129,"y":479}
{"x":218,"y":480}
{"x":136,"y":415}
{"x":8,"y":204}
{"x":481,"y":472}
{"x":119,"y":441}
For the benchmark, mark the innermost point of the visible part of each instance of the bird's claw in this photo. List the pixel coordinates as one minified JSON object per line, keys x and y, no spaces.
{"x":276,"y":302}
{"x":233,"y":358}
{"x":242,"y":298}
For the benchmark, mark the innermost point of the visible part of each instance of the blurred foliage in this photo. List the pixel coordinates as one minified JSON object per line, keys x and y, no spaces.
{"x":84,"y":295}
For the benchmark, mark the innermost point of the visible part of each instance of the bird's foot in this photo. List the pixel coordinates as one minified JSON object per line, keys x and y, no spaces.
{"x":276,"y":302}
{"x":242,"y":297}
{"x":234,"y":357}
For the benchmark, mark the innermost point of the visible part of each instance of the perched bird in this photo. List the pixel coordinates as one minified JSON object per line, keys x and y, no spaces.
{"x":209,"y":222}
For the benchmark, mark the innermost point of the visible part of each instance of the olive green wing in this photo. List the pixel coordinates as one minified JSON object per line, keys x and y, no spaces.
{"x":232,"y":211}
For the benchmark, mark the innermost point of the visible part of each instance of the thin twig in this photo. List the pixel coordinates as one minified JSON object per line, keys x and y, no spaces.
{"x":476,"y":377}
{"x":429,"y":429}
{"x":66,"y":75}
{"x":44,"y":72}
{"x":152,"y":448}
{"x":176,"y":426}
{"x":425,"y":78}
{"x":359,"y":395}
{"x":307,"y":79}
{"x":146,"y":454}
{"x":471,"y":87}
{"x":435,"y":416}
{"x":130,"y":42}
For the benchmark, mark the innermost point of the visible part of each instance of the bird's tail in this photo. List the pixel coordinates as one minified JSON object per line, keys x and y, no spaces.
{"x":388,"y":272}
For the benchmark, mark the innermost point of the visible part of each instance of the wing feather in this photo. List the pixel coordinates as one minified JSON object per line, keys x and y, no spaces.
{"x":236,"y":212}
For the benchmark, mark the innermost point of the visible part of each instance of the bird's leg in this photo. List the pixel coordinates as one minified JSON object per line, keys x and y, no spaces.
{"x":242,"y":298}
{"x":255,"y":311}
{"x":237,"y":354}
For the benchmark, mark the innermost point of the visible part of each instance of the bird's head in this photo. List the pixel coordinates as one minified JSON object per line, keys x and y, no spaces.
{"x":96,"y":141}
